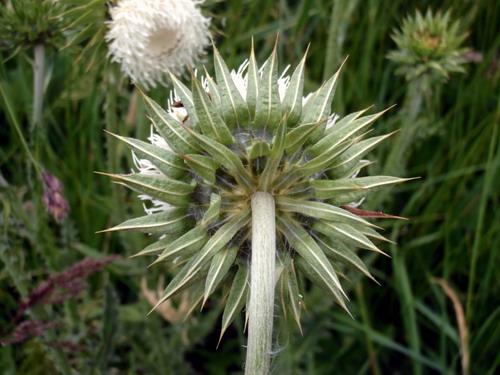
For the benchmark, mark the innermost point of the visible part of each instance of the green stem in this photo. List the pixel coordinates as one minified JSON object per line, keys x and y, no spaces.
{"x":262,"y":284}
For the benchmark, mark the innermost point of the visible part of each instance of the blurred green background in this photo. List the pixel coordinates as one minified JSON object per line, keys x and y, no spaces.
{"x":437,"y":308}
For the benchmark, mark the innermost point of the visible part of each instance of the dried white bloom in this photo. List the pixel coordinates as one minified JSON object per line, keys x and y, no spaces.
{"x":150,"y":37}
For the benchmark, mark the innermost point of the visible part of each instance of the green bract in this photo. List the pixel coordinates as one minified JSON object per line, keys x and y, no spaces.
{"x":229,"y":137}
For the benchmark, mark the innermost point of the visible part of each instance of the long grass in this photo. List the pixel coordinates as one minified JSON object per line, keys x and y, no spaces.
{"x":407,"y":325}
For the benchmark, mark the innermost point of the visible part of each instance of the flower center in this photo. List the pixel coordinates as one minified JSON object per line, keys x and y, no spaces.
{"x":162,"y":41}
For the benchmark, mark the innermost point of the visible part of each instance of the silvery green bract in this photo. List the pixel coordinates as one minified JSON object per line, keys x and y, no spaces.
{"x":228,"y":137}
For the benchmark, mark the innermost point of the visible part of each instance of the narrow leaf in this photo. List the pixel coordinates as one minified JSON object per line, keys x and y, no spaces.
{"x":166,"y":161}
{"x":268,"y":111}
{"x":164,"y":189}
{"x":292,"y":102}
{"x":274,"y":158}
{"x":209,"y":121}
{"x":309,"y":250}
{"x":221,"y":262}
{"x":170,"y":129}
{"x":213,"y":211}
{"x":253,"y":78}
{"x":237,"y":297}
{"x":187,"y":99}
{"x":296,"y":138}
{"x":204,"y":166}
{"x":171,"y":221}
{"x":234,"y":107}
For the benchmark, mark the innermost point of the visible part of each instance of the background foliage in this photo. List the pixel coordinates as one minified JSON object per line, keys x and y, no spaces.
{"x":407,"y":325}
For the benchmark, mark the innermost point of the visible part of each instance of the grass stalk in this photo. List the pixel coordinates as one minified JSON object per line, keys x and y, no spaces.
{"x":262,"y":283}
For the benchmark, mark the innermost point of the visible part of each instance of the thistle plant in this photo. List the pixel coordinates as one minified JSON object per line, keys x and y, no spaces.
{"x":252,"y":185}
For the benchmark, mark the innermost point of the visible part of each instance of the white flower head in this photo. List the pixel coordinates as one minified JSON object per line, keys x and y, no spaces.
{"x":151,"y":37}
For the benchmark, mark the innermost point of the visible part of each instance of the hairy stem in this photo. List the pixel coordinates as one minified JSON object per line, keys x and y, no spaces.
{"x":262,"y":284}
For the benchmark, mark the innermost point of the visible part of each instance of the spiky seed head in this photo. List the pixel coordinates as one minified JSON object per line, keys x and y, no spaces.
{"x":226,"y":138}
{"x":151,"y":37}
{"x":429,"y":45}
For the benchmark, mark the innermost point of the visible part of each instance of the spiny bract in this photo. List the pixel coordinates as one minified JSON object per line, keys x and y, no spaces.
{"x":222,"y":141}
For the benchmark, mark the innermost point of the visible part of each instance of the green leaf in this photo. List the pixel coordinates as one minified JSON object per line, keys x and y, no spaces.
{"x":171,"y":221}
{"x":166,"y":161}
{"x":209,"y":121}
{"x":309,"y":250}
{"x":187,"y":244}
{"x":162,"y":188}
{"x":312,"y":274}
{"x":338,"y":250}
{"x":268,"y":113}
{"x":348,"y":160}
{"x":292,"y":102}
{"x":292,"y":289}
{"x":345,"y":233}
{"x":182,"y":280}
{"x":258,"y":149}
{"x":213,"y":211}
{"x":341,"y":134}
{"x":214,"y":91}
{"x":205,"y":166}
{"x":234,"y":107}
{"x":220,"y":238}
{"x":296,"y":138}
{"x":221,"y":262}
{"x":187,"y":99}
{"x":170,"y":129}
{"x":253,"y":77}
{"x":226,"y":157}
{"x":274,"y":158}
{"x":350,"y":189}
{"x":237,"y":297}
{"x":346,"y":120}
{"x":318,"y":210}
{"x":318,"y":107}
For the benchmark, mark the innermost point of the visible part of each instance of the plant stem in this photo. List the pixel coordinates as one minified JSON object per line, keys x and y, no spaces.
{"x":38,"y":79}
{"x":262,"y":284}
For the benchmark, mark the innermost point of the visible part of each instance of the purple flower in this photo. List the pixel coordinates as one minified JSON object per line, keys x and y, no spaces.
{"x":53,"y":199}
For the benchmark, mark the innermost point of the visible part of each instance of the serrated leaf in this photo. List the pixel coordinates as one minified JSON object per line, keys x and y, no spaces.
{"x":204,"y":166}
{"x":268,"y":113}
{"x":237,"y":297}
{"x":171,"y":221}
{"x":213,"y":211}
{"x":350,"y":189}
{"x":210,"y":122}
{"x":234,"y":107}
{"x":221,"y":262}
{"x":166,"y":161}
{"x":226,"y":157}
{"x":170,"y":129}
{"x":220,"y":238}
{"x":296,"y":138}
{"x":342,"y":251}
{"x":274,"y":158}
{"x":162,"y":188}
{"x":258,"y":149}
{"x":292,"y":102}
{"x":309,"y":250}
{"x":187,"y":244}
{"x":345,"y":233}
{"x":318,"y":210}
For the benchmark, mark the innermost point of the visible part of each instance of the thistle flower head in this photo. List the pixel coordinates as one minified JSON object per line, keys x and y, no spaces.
{"x":236,"y":134}
{"x":429,"y":45}
{"x":151,"y":37}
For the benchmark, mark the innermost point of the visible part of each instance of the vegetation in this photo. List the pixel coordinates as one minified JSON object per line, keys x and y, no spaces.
{"x":73,"y":302}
